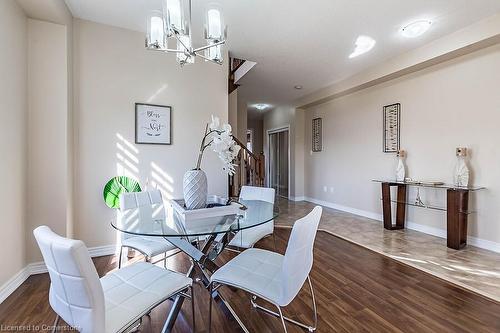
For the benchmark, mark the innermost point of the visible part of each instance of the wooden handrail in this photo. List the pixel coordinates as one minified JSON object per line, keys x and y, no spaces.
{"x":249,"y":170}
{"x":244,"y":147}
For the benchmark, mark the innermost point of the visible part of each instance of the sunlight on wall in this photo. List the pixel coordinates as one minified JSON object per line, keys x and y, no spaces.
{"x":127,"y":165}
{"x":159,"y":91}
{"x":162,"y":181}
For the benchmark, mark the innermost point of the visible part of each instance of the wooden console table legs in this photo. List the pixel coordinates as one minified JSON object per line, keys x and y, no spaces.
{"x":400,"y":206}
{"x":457,"y":210}
{"x":456,"y":218}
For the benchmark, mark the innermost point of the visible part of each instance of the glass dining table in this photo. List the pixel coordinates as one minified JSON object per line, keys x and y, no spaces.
{"x":203,"y":241}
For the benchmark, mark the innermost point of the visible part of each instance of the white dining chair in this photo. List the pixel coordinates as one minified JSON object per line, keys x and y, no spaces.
{"x":247,"y":238}
{"x":135,"y":206}
{"x":271,"y":276}
{"x":114,"y":303}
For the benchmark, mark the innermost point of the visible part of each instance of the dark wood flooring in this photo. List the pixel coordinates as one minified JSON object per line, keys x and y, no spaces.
{"x":357,"y":291}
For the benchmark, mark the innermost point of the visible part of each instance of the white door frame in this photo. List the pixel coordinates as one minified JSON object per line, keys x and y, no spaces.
{"x":273,"y":131}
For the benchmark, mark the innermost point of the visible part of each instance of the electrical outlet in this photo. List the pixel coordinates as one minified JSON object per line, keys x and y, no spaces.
{"x":325,"y":189}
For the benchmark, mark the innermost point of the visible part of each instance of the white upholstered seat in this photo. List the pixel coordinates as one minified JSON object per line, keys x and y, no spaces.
{"x":248,"y":237}
{"x":149,"y":246}
{"x":255,"y":270}
{"x":142,"y":205}
{"x":110,"y":304}
{"x":272,"y":276}
{"x":130,"y":292}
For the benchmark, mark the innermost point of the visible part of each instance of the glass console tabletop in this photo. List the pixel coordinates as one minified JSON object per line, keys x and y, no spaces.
{"x":257,"y":213}
{"x":429,"y":184}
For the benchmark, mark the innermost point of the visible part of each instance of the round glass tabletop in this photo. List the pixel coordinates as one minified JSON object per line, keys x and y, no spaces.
{"x":150,"y":224}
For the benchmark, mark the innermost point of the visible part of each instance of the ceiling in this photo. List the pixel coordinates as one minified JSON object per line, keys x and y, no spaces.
{"x":304,"y":43}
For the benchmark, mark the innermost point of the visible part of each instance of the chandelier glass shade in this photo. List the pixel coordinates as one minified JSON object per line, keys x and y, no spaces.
{"x":173,"y":24}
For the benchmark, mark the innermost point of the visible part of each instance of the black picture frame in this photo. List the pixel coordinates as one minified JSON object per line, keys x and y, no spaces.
{"x":143,"y":107}
{"x":317,"y":135}
{"x":392,"y":128}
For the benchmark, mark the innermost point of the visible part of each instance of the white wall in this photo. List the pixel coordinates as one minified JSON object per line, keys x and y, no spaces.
{"x":241,"y":133}
{"x":286,"y":116}
{"x":112,"y":71}
{"x":454,"y":104}
{"x":233,"y":111}
{"x":47,"y":130}
{"x":13,"y":142}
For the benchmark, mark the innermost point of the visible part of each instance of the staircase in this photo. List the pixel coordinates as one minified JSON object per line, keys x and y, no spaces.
{"x":237,"y":69}
{"x":250,"y":170}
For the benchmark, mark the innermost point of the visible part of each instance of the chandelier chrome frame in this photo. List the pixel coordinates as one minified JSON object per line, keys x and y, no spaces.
{"x":170,"y":30}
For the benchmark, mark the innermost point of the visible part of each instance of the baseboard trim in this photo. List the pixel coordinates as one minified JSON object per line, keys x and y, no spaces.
{"x":13,"y":283}
{"x":474,"y":241}
{"x":39,"y":268}
{"x":105,"y":250}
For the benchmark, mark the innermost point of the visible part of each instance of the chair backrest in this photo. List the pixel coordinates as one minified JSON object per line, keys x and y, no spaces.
{"x":75,"y":290}
{"x":140,"y":206}
{"x":257,"y":193}
{"x":299,"y":255}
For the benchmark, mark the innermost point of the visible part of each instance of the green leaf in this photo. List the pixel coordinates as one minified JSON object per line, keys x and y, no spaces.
{"x":117,"y":186}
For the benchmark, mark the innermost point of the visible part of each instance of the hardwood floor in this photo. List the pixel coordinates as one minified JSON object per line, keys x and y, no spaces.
{"x":357,"y":290}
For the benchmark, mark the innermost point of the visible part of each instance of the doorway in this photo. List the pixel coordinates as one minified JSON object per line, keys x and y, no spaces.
{"x":279,"y":157}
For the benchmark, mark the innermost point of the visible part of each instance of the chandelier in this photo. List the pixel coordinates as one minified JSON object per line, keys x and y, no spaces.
{"x":173,"y":24}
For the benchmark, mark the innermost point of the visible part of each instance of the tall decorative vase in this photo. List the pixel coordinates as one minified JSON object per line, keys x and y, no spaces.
{"x":401,"y":169}
{"x":195,"y":189}
{"x":461,"y":175}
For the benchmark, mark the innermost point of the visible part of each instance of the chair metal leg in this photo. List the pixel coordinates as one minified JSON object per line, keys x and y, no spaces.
{"x":307,"y":327}
{"x":314,"y":304}
{"x":192,"y":308}
{"x":120,"y":257}
{"x":282,"y":319}
{"x":210,"y":308}
{"x":56,"y":321}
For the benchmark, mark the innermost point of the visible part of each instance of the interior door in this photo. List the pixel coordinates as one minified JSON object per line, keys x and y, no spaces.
{"x":278,"y":162}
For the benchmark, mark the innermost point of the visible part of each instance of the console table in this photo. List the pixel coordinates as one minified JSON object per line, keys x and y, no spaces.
{"x":457,"y":208}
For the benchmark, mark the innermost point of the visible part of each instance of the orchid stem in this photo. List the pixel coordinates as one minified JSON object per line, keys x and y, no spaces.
{"x":202,"y":148}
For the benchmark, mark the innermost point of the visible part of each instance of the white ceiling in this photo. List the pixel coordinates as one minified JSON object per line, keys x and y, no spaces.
{"x":298,"y":42}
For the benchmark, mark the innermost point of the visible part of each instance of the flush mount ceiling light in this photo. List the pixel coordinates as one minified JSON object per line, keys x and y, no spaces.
{"x":298,"y":87}
{"x":261,"y":106}
{"x":173,"y":23}
{"x":416,"y":28}
{"x":363,"y":45}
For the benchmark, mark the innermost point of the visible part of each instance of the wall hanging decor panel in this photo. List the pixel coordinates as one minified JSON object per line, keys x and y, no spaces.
{"x":317,"y":140}
{"x":392,"y":126}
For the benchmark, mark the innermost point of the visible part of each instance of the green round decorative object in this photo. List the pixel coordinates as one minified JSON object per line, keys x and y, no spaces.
{"x":117,"y":186}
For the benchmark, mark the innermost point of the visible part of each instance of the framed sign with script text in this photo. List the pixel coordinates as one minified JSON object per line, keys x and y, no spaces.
{"x":392,"y":124}
{"x":153,"y":124}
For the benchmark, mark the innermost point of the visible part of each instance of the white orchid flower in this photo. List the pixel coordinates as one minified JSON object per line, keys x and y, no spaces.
{"x":222,"y":143}
{"x":215,"y":124}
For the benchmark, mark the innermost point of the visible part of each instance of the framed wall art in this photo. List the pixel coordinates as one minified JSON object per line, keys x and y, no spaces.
{"x":317,"y":140}
{"x":153,"y":124}
{"x":392,"y":127}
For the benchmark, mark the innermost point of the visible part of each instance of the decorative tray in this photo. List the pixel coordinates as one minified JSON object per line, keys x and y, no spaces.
{"x":204,"y":216}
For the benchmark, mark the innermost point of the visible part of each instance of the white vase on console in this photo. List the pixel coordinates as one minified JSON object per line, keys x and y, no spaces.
{"x":401,"y":169}
{"x":461,"y":175}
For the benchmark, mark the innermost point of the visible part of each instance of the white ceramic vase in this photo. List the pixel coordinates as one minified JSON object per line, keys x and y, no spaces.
{"x":401,"y":169}
{"x":195,"y":188}
{"x":461,"y":175}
